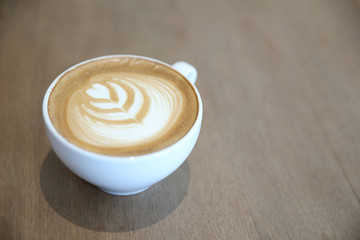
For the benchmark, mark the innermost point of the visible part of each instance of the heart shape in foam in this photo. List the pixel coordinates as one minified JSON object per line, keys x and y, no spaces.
{"x":98,"y":91}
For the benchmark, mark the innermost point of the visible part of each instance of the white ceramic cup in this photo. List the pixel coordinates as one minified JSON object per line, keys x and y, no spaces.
{"x":131,"y":174}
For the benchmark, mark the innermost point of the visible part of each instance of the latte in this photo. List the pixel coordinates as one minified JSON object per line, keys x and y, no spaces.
{"x":122,"y":106}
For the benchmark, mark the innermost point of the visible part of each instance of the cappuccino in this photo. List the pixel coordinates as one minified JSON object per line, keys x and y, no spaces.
{"x":122,"y":106}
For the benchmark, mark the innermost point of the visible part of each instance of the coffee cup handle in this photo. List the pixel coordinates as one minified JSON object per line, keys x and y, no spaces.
{"x":187,"y":70}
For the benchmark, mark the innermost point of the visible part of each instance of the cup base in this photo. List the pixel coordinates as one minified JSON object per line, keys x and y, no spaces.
{"x":122,"y":193}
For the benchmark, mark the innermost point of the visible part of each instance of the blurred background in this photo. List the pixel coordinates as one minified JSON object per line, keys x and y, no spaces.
{"x":278,"y":155}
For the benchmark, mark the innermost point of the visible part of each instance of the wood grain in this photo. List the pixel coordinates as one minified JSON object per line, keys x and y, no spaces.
{"x":278,"y":155}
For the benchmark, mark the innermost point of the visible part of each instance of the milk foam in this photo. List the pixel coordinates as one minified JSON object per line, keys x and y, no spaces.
{"x":123,"y":109}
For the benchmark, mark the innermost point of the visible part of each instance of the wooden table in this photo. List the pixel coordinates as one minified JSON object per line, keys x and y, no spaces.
{"x":278,"y":156}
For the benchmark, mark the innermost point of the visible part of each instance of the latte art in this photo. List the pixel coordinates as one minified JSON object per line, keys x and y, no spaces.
{"x":123,"y":109}
{"x":122,"y":106}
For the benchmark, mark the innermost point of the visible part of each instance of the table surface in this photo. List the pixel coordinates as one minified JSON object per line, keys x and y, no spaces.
{"x":278,"y":153}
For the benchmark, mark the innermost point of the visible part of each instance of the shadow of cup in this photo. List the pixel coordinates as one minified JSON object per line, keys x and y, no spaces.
{"x":84,"y":205}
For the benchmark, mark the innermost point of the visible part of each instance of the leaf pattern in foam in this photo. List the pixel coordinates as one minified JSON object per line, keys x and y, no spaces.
{"x":122,"y":110}
{"x":110,"y":101}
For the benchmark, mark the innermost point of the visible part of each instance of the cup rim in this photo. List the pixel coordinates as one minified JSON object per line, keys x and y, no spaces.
{"x":89,"y":153}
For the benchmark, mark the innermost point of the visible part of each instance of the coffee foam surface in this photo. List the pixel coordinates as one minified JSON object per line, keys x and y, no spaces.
{"x":119,"y":110}
{"x":123,"y":109}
